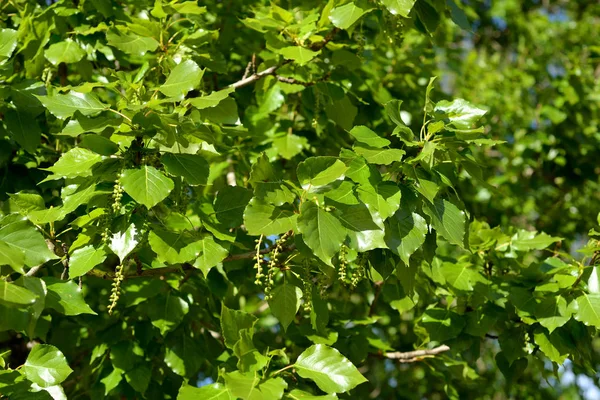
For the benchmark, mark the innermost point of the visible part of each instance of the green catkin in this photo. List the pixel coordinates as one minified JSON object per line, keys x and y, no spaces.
{"x":117,"y":196}
{"x":116,"y":289}
{"x":307,"y":287}
{"x":258,"y":262}
{"x":343,"y":268}
{"x":272,"y":268}
{"x":359,"y":272}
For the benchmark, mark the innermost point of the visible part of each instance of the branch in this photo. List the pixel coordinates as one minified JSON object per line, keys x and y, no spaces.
{"x":417,"y":355}
{"x":256,"y":76}
{"x":271,"y":70}
{"x":188,"y":267}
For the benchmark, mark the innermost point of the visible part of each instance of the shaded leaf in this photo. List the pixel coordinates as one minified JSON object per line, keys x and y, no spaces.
{"x":265,"y":219}
{"x":66,"y":297}
{"x":285,"y":303}
{"x":447,"y":220}
{"x":192,"y":167}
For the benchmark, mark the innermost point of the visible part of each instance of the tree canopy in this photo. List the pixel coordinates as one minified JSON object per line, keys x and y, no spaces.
{"x":353,"y":199}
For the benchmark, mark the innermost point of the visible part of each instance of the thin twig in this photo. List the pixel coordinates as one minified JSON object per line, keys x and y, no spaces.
{"x":412,"y":356}
{"x":33,"y":270}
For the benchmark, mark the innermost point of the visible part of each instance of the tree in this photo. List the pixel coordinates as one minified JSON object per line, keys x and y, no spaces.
{"x":256,"y":200}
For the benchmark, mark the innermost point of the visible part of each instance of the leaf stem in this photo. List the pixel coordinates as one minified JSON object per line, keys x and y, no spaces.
{"x":121,"y":114}
{"x":283,"y":369}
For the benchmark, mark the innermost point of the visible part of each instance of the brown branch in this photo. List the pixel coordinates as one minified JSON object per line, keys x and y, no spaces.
{"x":271,"y":70}
{"x":378,"y":286}
{"x":417,"y":355}
{"x":256,"y":76}
{"x":185,"y":267}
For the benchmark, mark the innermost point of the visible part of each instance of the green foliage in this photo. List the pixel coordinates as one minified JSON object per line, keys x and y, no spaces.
{"x":280,"y":200}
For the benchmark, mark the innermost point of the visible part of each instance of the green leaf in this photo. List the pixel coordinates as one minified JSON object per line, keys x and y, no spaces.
{"x":379,"y":156}
{"x":172,"y":247}
{"x":315,"y":172}
{"x":188,"y":7}
{"x":19,"y":235}
{"x":442,"y":324}
{"x":212,"y":100}
{"x":249,"y":358}
{"x":458,"y":113}
{"x":368,"y":137}
{"x":345,"y":16}
{"x":355,"y":217}
{"x":265,"y":219}
{"x":330,"y":370}
{"x":529,"y":240}
{"x":8,"y":42}
{"x":285,"y":303}
{"x":11,"y":293}
{"x":184,"y":77}
{"x":46,"y":366}
{"x":99,"y":144}
{"x":23,"y":128}
{"x":230,"y":204}
{"x":342,"y":112}
{"x":146,"y":185}
{"x":192,"y":167}
{"x":214,"y":391}
{"x":544,"y":340}
{"x":447,"y":220}
{"x":298,"y":54}
{"x":289,"y":145}
{"x":587,"y":309}
{"x":383,"y":198}
{"x":321,"y":231}
{"x":82,"y":124}
{"x":12,"y":256}
{"x":85,"y":259}
{"x":66,"y":297}
{"x":166,"y":311}
{"x":26,"y":202}
{"x":209,"y":254}
{"x":232,"y":322}
{"x":552,"y":313}
{"x":406,"y":233}
{"x":131,"y":43}
{"x":65,"y":105}
{"x":67,"y":52}
{"x":225,"y":112}
{"x":123,"y":242}
{"x":461,"y":275}
{"x":399,"y":7}
{"x":247,"y":386}
{"x":139,"y":377}
{"x":268,"y":184}
{"x":75,"y":162}
{"x":298,"y":394}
